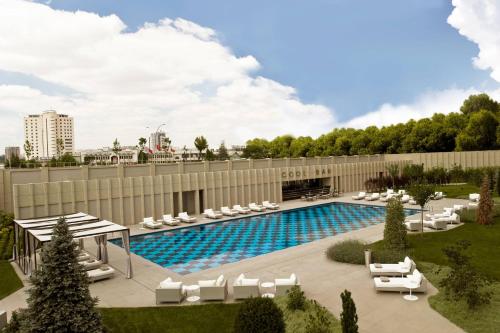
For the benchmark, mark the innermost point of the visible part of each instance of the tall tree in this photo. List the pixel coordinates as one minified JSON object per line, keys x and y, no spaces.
{"x":28,"y":149}
{"x":348,"y":316}
{"x":484,"y":214}
{"x":222,"y":153}
{"x":395,"y":230}
{"x":116,"y":146}
{"x":422,"y":193}
{"x":59,"y":147}
{"x":142,"y":156}
{"x":185,"y":154}
{"x":59,"y":299}
{"x":142,"y":143}
{"x":475,"y":103}
{"x":201,"y":144}
{"x":166,"y":143}
{"x":480,"y":132}
{"x":393,"y":170}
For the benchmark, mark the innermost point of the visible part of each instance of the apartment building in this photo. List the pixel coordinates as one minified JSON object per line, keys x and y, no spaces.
{"x":50,"y":134}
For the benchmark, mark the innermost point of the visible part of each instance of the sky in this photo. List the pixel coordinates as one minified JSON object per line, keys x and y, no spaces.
{"x":234,"y":70}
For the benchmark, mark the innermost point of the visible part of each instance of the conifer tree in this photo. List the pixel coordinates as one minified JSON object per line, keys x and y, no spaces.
{"x":59,"y":299}
{"x":395,"y":230}
{"x":348,"y":317}
{"x":484,"y":213}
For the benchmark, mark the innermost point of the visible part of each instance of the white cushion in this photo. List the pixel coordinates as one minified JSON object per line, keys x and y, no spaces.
{"x":250,"y":282}
{"x":284,"y":282}
{"x":220,"y":280}
{"x":170,"y":285}
{"x":407,"y":262}
{"x":416,"y":277}
{"x":206,"y":283}
{"x":293,"y":278}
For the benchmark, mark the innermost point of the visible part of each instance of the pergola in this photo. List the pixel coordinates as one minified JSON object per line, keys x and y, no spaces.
{"x":30,"y":235}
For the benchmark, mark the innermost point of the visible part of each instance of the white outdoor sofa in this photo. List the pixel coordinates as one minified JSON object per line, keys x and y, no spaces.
{"x":150,"y":223}
{"x":474,"y":200}
{"x":246,"y":288}
{"x":284,"y":285}
{"x":361,"y":195}
{"x":101,"y":273}
{"x":373,"y":197}
{"x":447,"y":212}
{"x":413,"y":225}
{"x":169,"y":220}
{"x":401,"y":268}
{"x":270,"y":205}
{"x":213,"y":290}
{"x":184,"y":217}
{"x":169,"y":291}
{"x":399,"y":283}
{"x":437,"y":224}
{"x":228,"y":211}
{"x":256,"y":208}
{"x":453,"y":219}
{"x":242,"y":210}
{"x":405,"y":198}
{"x":211,"y":214}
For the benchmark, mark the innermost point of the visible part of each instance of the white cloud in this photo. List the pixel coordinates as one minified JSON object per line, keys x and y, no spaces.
{"x":173,"y":71}
{"x":479,"y":21}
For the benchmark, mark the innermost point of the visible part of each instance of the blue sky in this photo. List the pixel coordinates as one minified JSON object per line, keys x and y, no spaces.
{"x":349,"y":55}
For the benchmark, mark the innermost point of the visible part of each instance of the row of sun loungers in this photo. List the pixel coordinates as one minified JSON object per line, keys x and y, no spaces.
{"x":384,"y":197}
{"x":437,"y":221}
{"x":169,"y":291}
{"x":167,"y":219}
{"x":398,"y":277}
{"x":95,"y":269}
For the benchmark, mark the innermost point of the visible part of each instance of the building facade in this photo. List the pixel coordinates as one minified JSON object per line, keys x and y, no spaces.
{"x":11,"y":152}
{"x":50,"y":134}
{"x":156,"y":141}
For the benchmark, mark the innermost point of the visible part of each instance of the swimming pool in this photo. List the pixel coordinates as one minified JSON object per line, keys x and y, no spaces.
{"x":195,"y":248}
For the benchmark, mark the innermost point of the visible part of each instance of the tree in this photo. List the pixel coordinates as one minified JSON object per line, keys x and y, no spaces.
{"x":422,"y":193}
{"x":59,"y":147}
{"x":479,"y":102}
{"x":480,"y":132}
{"x":484,"y":214}
{"x":222,"y":153}
{"x":259,"y":315}
{"x":28,"y":149}
{"x":67,"y":158}
{"x":498,"y":182}
{"x":201,"y":144}
{"x":165,"y":145}
{"x":393,"y":170}
{"x":395,"y":230}
{"x":348,"y":317}
{"x":185,"y":154}
{"x":116,"y":146}
{"x":142,"y":156}
{"x":142,"y":143}
{"x":59,"y":299}
{"x":209,"y":155}
{"x":463,"y":281}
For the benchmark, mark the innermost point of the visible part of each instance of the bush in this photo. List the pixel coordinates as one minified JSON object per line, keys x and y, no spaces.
{"x":259,"y":315}
{"x":319,"y":321}
{"x":485,"y":208}
{"x":349,"y":251}
{"x":463,"y":281}
{"x":388,"y":256}
{"x":395,"y":230}
{"x":296,"y":299}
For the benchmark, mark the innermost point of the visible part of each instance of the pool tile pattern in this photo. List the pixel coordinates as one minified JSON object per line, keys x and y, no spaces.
{"x":197,"y":248}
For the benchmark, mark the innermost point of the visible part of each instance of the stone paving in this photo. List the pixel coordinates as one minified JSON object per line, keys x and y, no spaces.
{"x":321,"y":280}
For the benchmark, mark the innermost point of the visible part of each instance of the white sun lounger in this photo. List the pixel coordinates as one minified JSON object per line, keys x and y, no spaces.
{"x":246,"y":288}
{"x":474,"y":197}
{"x":228,"y":211}
{"x":438,"y":224}
{"x":184,"y":217}
{"x":270,"y":205}
{"x":242,"y":210}
{"x":148,"y":222}
{"x":213,"y":290}
{"x":83,"y":256}
{"x":256,"y":208}
{"x":447,"y":212}
{"x":373,"y":197}
{"x":90,"y":264}
{"x":438,"y":196}
{"x":284,"y":285}
{"x":211,"y":214}
{"x":399,"y":283}
{"x":100,"y":273}
{"x":454,"y":218}
{"x":388,"y":196}
{"x":361,"y":195}
{"x":401,"y":268}
{"x":169,"y":291}
{"x":169,"y":220}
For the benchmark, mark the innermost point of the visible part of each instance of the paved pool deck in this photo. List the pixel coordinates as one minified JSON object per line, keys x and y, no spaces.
{"x":321,"y":279}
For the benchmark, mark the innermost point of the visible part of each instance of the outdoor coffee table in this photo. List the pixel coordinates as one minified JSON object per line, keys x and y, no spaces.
{"x":410,"y":285}
{"x":191,"y":289}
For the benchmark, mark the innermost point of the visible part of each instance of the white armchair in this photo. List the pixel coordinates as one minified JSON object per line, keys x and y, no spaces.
{"x":245,"y":288}
{"x":284,"y":285}
{"x":213,"y":290}
{"x":169,"y":291}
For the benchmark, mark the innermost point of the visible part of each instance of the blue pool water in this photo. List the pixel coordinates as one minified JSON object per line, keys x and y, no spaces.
{"x":195,"y":248}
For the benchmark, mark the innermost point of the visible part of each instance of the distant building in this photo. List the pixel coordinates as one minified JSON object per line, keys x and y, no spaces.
{"x":43,"y":131}
{"x":11,"y":152}
{"x":156,"y":140}
{"x":106,"y":155}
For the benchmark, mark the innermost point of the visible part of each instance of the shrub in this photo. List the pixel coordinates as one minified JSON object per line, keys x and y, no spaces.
{"x":485,"y":207}
{"x":296,"y":299}
{"x":349,"y":251}
{"x":319,"y":321}
{"x":395,"y":230}
{"x":463,"y":280}
{"x":388,"y":256}
{"x":348,"y":317}
{"x":259,"y":315}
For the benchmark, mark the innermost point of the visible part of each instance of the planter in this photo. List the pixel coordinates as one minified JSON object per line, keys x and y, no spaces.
{"x":368,"y":258}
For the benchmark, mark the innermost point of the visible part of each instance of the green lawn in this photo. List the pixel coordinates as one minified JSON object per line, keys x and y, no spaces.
{"x":461,"y":191}
{"x":484,"y":320}
{"x":9,"y":282}
{"x":6,"y":243}
{"x":197,"y":318}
